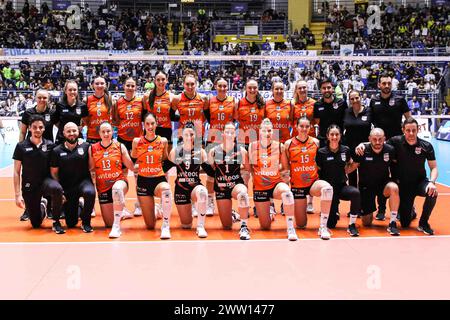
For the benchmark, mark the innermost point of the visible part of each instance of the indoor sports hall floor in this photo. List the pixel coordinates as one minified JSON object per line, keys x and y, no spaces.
{"x":38,"y":264}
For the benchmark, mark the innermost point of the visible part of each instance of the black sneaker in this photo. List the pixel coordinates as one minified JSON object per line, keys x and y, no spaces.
{"x":392,"y":229}
{"x":255,"y":214}
{"x":352,"y":230}
{"x":87,"y":228}
{"x":58,"y":228}
{"x":426,"y":228}
{"x":25,"y":216}
{"x":413,"y":213}
{"x":381,"y":216}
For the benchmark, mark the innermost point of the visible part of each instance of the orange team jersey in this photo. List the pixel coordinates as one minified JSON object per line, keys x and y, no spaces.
{"x":279,"y":114}
{"x":108,"y":165}
{"x":150,"y":157}
{"x":130,"y":118}
{"x":302,"y":159}
{"x":221,"y":113}
{"x":192,"y":110}
{"x":266,"y":168}
{"x":250,"y":117}
{"x":98,"y":113}
{"x":304,"y":109}
{"x":161,"y":109}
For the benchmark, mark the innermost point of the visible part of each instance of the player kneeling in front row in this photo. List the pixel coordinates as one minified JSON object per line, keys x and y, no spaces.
{"x":265,"y":163}
{"x":150,"y":151}
{"x":226,"y":159}
{"x":188,"y":157}
{"x":105,"y":162}
{"x":300,"y":155}
{"x":374,"y":178}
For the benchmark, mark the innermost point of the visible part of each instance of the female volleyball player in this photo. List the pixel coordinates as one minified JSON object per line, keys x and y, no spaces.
{"x":300,"y":154}
{"x":303,"y":106}
{"x":69,"y":109}
{"x":226,"y":160}
{"x":99,"y":106}
{"x":106,"y":159}
{"x":278,"y":111}
{"x":150,"y":151}
{"x":191,"y":105}
{"x":265,"y":163}
{"x":188,"y":159}
{"x":334,"y":162}
{"x":127,"y":114}
{"x":222,"y":110}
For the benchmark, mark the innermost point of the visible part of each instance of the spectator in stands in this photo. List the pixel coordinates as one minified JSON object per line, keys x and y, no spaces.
{"x":414,"y":105}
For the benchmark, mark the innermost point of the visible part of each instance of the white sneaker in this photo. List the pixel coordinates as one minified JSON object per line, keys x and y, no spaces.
{"x":126,"y":214}
{"x":194,"y":211}
{"x":272,"y":212}
{"x":309,"y":208}
{"x":158,"y":211}
{"x":165,"y":231}
{"x":115,"y":231}
{"x":292,"y":235}
{"x":235,"y":217}
{"x":137,"y":210}
{"x":210,"y":207}
{"x":324,"y":233}
{"x":244,"y":233}
{"x":201,"y":232}
{"x":93,"y":214}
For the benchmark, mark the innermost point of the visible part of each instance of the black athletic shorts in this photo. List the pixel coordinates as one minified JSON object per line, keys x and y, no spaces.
{"x":182,"y":195}
{"x":146,"y":186}
{"x":263,"y":195}
{"x":300,"y":193}
{"x":224,"y":193}
{"x":106,"y":197}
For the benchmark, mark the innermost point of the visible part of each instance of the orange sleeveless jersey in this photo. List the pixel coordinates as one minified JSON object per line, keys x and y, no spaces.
{"x":108,"y":165}
{"x":161,"y":109}
{"x":304,"y":109}
{"x":279,"y":114}
{"x":150,"y":157}
{"x":250,"y":118}
{"x":192,"y":110}
{"x":221,"y":113}
{"x":302,"y":159}
{"x":98,"y":113}
{"x":130,"y":118}
{"x":266,"y":170}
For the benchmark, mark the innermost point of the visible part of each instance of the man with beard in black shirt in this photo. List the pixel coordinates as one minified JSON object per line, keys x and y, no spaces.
{"x":387,"y":111}
{"x":328,"y":110}
{"x":69,"y":166}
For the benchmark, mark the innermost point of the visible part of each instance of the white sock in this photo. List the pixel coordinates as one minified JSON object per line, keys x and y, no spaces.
{"x":290,"y":222}
{"x":117,"y":217}
{"x":353,"y":218}
{"x":393,"y":216}
{"x":323,"y":219}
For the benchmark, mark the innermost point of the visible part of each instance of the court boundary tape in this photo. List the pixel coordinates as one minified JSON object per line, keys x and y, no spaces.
{"x":219,"y":241}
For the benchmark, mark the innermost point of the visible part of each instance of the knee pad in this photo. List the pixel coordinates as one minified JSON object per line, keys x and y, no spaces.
{"x":166,"y":197}
{"x":118,"y":196}
{"x":243,"y":200}
{"x":287,"y":198}
{"x":202,"y":195}
{"x":326,"y":193}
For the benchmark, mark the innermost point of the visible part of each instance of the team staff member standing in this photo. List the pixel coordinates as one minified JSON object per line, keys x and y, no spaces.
{"x":375,"y":179}
{"x":69,"y":109}
{"x":69,"y":165}
{"x":328,"y":110}
{"x":357,"y":126}
{"x":99,"y":106}
{"x":32,"y":172}
{"x":387,"y":110}
{"x":411,"y":153}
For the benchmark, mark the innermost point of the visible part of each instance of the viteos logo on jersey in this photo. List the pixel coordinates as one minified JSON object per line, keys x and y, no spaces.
{"x":150,"y":149}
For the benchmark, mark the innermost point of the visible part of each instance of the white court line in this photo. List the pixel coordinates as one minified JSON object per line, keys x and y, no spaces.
{"x":219,"y":241}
